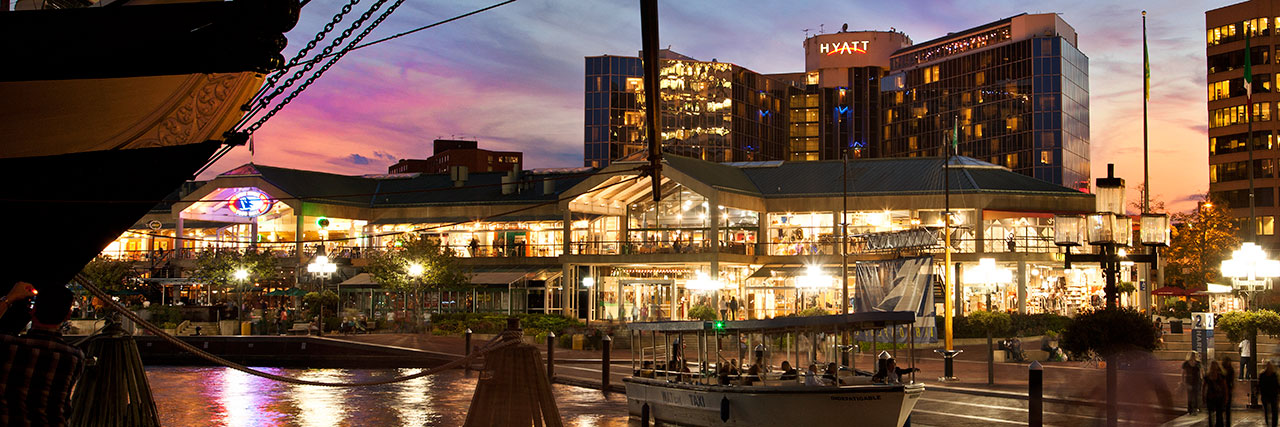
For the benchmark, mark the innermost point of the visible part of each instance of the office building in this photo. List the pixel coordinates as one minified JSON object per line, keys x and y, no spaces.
{"x":1017,"y":89}
{"x":449,"y":153}
{"x":1228,"y":118}
{"x":711,"y":110}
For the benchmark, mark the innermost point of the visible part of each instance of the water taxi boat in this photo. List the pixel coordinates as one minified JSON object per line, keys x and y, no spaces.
{"x":709,"y":388}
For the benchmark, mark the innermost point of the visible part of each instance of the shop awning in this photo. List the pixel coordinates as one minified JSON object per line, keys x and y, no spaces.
{"x":791,"y":270}
{"x":497,"y":278}
{"x":1171,"y":291}
{"x":361,"y":280}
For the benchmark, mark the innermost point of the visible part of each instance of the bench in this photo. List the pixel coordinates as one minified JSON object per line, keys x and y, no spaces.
{"x":303,"y":328}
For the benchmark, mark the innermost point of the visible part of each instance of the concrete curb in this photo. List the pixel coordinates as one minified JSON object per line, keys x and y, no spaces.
{"x":1048,"y":399}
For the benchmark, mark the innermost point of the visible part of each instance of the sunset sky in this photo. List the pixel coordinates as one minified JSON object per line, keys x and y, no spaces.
{"x":513,"y":77}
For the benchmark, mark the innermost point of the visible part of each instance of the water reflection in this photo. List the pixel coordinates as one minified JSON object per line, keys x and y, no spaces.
{"x":207,"y":396}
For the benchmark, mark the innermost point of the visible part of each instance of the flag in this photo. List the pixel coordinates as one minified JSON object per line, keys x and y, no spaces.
{"x":1248,"y":78}
{"x":1146,"y":65}
{"x":955,"y":135}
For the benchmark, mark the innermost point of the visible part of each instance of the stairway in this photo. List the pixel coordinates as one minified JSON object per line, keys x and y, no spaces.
{"x":189,"y":328}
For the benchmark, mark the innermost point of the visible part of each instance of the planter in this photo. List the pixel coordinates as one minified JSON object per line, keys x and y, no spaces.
{"x":228,"y":327}
{"x":169,"y":331}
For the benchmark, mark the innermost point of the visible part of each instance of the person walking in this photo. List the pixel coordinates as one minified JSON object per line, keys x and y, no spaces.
{"x":1269,"y":390}
{"x":1192,"y":379}
{"x":724,"y":308}
{"x":733,"y":307}
{"x":1245,"y":357}
{"x":1215,"y":394}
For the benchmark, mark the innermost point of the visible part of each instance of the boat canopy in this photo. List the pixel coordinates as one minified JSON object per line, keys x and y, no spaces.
{"x":852,"y":321}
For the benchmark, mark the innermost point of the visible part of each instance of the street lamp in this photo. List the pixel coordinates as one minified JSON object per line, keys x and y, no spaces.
{"x":321,"y":268}
{"x":240,"y":275}
{"x":1250,"y":272}
{"x":1110,"y":230}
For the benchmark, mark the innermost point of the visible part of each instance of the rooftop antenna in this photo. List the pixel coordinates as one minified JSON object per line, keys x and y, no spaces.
{"x":820,"y":30}
{"x":806,"y":32}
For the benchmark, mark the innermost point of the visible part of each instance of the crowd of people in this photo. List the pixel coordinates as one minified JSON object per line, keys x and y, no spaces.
{"x":38,"y":369}
{"x":1214,"y":386}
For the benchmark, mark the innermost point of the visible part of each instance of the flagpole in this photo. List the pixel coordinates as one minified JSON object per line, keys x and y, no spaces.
{"x":1146,"y":99}
{"x":1248,"y":85}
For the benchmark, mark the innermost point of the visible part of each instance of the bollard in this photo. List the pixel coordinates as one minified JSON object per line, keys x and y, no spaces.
{"x":466,"y":350}
{"x":1035,"y":404}
{"x":607,"y":343}
{"x":551,"y":356}
{"x":948,"y":371}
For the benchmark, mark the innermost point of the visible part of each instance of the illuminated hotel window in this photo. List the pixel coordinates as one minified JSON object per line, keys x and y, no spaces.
{"x":811,"y":78}
{"x":1046,"y":157}
{"x":1011,"y":160}
{"x":1266,"y":225}
{"x":931,"y":74}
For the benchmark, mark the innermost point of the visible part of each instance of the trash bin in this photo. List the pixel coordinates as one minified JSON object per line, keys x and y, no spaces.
{"x":1175,"y":326}
{"x":577,"y":341}
{"x":246,"y":328}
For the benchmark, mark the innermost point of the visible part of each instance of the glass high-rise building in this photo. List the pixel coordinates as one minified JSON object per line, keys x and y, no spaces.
{"x":715,"y":111}
{"x":1017,"y":89}
{"x":1228,"y":117}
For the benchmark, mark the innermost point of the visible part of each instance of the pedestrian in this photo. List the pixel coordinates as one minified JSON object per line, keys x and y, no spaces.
{"x":40,"y":369}
{"x":1215,"y":394}
{"x":1192,"y":379}
{"x":724,"y":310}
{"x":733,"y":307}
{"x":1229,"y":376}
{"x":1269,"y":389}
{"x":1246,"y":357}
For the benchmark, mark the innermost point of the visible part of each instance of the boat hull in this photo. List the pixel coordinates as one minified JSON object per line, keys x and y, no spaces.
{"x":699,"y":405}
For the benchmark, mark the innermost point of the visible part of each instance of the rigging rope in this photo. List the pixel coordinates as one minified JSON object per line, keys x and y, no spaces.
{"x":275,"y":77}
{"x":506,"y":339}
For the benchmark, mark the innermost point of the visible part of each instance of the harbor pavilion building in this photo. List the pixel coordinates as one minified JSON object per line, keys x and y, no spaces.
{"x":593,"y":243}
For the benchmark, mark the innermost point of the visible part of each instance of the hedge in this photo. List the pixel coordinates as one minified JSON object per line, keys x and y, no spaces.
{"x":1023,"y":325}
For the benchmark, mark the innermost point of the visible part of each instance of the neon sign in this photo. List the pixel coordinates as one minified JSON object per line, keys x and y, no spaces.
{"x":846,"y":48}
{"x":250,"y":203}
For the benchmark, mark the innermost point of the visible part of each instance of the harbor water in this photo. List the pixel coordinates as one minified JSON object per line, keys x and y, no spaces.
{"x":218,"y":396}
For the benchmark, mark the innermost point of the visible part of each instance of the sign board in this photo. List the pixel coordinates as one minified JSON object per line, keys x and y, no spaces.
{"x":1202,"y":321}
{"x":250,"y":203}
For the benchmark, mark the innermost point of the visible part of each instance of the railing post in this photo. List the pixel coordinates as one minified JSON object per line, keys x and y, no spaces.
{"x":1035,"y":405}
{"x":604,"y":363}
{"x":551,"y":356}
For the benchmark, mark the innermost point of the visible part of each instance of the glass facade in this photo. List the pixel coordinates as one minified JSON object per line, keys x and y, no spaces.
{"x":712,"y":111}
{"x":1023,"y":105}
{"x":825,"y":121}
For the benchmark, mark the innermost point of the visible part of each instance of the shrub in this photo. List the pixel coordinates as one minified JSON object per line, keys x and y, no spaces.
{"x":1240,"y":324}
{"x":1109,"y":332}
{"x":992,"y":323}
{"x":169,"y":325}
{"x":702,"y":312}
{"x":813,"y":311}
{"x":1021,"y":324}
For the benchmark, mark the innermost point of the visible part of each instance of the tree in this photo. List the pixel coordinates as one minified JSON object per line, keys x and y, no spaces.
{"x":217,"y":268}
{"x":994,"y":322}
{"x":439,"y":268}
{"x":108,"y":274}
{"x":1155,"y":205}
{"x":1201,"y":239}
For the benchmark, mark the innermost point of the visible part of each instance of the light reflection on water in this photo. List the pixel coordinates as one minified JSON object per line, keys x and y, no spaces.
{"x":215,"y":396}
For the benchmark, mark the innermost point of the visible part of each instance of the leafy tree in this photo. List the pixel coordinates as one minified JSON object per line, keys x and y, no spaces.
{"x":109,"y":274}
{"x":217,"y":268}
{"x":994,"y":322}
{"x":1246,"y":324}
{"x":1110,"y":332}
{"x":1201,"y":239}
{"x":314,"y":300}
{"x":439,"y":265}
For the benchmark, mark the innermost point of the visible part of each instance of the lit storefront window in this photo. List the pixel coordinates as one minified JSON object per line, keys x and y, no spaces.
{"x":801,"y":233}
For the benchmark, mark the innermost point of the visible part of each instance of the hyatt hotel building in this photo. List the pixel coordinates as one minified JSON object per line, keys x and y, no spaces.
{"x":1017,"y":89}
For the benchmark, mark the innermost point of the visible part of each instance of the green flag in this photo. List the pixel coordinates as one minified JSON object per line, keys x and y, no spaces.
{"x":1146,"y":65}
{"x":955,"y":135}
{"x":1248,"y":75}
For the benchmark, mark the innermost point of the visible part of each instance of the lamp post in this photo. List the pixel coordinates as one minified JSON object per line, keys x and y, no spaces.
{"x":1110,"y":230}
{"x":416,"y":271}
{"x":321,"y":268}
{"x":1250,"y":272}
{"x":241,"y":275}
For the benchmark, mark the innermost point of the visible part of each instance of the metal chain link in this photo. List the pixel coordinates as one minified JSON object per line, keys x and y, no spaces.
{"x":307,"y":68}
{"x":275,"y":77}
{"x":500,"y":341}
{"x":333,"y":60}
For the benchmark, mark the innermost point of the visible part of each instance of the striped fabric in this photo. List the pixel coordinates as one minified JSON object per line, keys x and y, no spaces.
{"x":37,"y":373}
